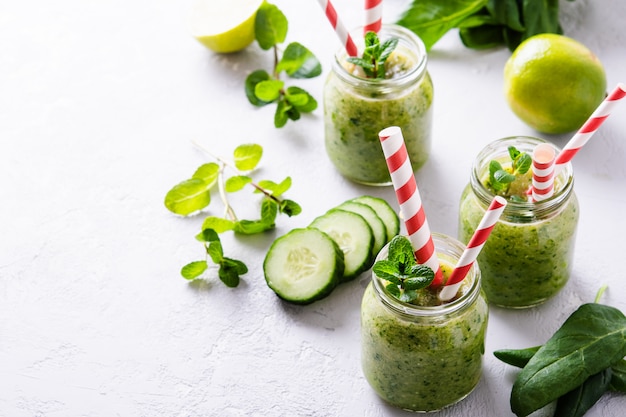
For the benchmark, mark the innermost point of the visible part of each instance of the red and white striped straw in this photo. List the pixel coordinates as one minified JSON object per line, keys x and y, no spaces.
{"x":473,"y":248}
{"x":339,"y":27}
{"x":409,"y":200}
{"x":591,"y":125}
{"x":373,"y":16}
{"x":543,"y":157}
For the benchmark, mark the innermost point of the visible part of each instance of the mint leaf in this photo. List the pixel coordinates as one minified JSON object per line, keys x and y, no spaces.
{"x":193,"y":270}
{"x":252,"y":227}
{"x":247,"y":156}
{"x":300,"y":99}
{"x":374,"y":55}
{"x":290,"y":208}
{"x":503,"y":177}
{"x":188,"y":196}
{"x":269,"y":90}
{"x":276,"y":189}
{"x":269,"y":210}
{"x":250,"y":85}
{"x":215,"y":251}
{"x":207,"y":235}
{"x":270,"y":26}
{"x":218,"y":225}
{"x":236,"y":183}
{"x":207,"y":173}
{"x":298,"y":62}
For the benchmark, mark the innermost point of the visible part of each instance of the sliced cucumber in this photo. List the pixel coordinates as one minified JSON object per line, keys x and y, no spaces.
{"x":353,"y":235}
{"x":368,"y":213}
{"x":386,"y":213}
{"x":303,"y":265}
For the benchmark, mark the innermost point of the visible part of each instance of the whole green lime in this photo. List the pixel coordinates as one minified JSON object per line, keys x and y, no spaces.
{"x":553,"y":83}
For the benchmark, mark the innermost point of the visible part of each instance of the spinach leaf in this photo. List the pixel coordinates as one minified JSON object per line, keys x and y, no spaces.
{"x":576,"y":402}
{"x":618,"y":380}
{"x":592,"y":339}
{"x":430,"y":20}
{"x":516,"y":357}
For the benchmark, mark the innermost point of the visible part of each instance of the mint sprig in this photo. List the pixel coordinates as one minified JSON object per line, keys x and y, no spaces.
{"x":374,"y":55}
{"x":500,"y":178}
{"x":194,"y":194}
{"x":263,"y":88}
{"x":404,"y":274}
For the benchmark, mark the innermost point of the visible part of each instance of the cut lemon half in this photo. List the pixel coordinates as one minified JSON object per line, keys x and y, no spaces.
{"x":224,"y":26}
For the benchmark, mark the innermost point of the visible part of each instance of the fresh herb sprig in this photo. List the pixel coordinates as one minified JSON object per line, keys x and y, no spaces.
{"x":263,"y":88}
{"x":404,"y":274}
{"x":500,"y":179}
{"x":576,"y":366}
{"x":194,"y":194}
{"x":482,"y":24}
{"x":374,"y":55}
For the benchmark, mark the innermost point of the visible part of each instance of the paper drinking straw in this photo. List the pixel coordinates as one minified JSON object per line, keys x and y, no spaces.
{"x":339,"y":27}
{"x":473,"y":248}
{"x":409,"y":199}
{"x":591,"y":125}
{"x":543,"y":157}
{"x":373,"y":16}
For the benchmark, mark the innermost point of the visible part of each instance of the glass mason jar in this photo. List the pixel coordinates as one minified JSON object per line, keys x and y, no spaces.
{"x":528,"y":256}
{"x":424,"y":357}
{"x":357,"y":108}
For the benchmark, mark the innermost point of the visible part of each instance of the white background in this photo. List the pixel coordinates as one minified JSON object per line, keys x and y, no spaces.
{"x":99,"y":102}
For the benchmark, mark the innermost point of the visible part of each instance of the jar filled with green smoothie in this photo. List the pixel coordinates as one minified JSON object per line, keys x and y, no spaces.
{"x":425,"y":354}
{"x":356,"y":108}
{"x":529,"y":254}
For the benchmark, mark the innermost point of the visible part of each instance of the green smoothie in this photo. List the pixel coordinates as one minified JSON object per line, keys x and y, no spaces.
{"x":356,"y":109}
{"x":529,"y":254}
{"x":424,"y":358}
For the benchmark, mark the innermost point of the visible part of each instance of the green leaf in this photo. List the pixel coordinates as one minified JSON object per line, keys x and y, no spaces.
{"x":618,"y":378}
{"x":420,"y":277}
{"x":250,"y":85}
{"x":482,"y":37}
{"x":236,"y":183}
{"x":298,"y":62}
{"x":393,"y":289}
{"x":387,"y":269}
{"x":407,"y":296}
{"x":207,"y":235}
{"x":193,"y":269}
{"x":281,"y":116}
{"x":540,"y":17}
{"x":215,"y":251}
{"x":290,"y":208}
{"x":230,"y":270}
{"x":503,"y":177}
{"x":269,"y":210}
{"x":401,"y":251}
{"x":431,"y":19}
{"x":188,"y":196}
{"x":589,"y":341}
{"x":506,"y":12}
{"x":578,"y":401}
{"x":269,"y":90}
{"x":516,"y":357}
{"x":276,"y":189}
{"x":270,"y":26}
{"x":299,"y":103}
{"x":207,"y":173}
{"x":523,"y":163}
{"x":252,"y":227}
{"x":247,"y":156}
{"x":218,"y":225}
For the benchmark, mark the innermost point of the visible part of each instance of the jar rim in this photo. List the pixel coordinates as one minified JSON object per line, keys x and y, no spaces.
{"x":529,"y":210}
{"x":405,"y":36}
{"x":454,"y":248}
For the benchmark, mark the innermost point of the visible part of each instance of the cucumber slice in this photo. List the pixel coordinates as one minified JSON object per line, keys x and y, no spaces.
{"x":303,"y":265}
{"x":368,"y":213}
{"x":386,"y":213}
{"x":353,"y":235}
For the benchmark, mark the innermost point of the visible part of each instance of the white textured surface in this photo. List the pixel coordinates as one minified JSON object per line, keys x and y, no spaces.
{"x":98,"y":103}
